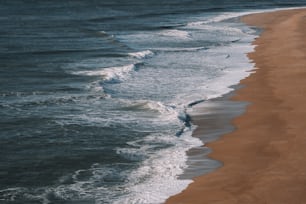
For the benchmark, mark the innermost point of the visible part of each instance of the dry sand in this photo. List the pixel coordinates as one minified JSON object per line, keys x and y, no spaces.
{"x":265,"y":157}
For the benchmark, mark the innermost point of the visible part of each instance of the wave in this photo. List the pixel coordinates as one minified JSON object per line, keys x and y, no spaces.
{"x":156,"y":178}
{"x":103,"y":34}
{"x":133,"y":154}
{"x":23,"y":93}
{"x":151,"y":182}
{"x":150,"y":105}
{"x":85,"y":185}
{"x":110,"y":74}
{"x":141,"y":54}
{"x":163,"y":113}
{"x":182,"y":49}
{"x":154,"y":109}
{"x":219,"y":18}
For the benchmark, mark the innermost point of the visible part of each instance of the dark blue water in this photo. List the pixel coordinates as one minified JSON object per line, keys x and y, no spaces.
{"x":94,"y":94}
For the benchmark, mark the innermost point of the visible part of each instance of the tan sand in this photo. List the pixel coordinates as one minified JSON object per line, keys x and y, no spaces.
{"x":265,"y":158}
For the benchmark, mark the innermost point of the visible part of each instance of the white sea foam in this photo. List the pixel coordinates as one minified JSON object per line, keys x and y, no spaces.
{"x":218,"y":28}
{"x":164,"y":111}
{"x":95,"y":87}
{"x":141,"y":54}
{"x":85,"y":185}
{"x":156,"y":179}
{"x":219,"y":18}
{"x":176,"y":33}
{"x":232,"y":65}
{"x":133,"y":154}
{"x":151,"y":183}
{"x":110,"y":73}
{"x":181,"y":49}
{"x":223,"y":17}
{"x":141,"y":115}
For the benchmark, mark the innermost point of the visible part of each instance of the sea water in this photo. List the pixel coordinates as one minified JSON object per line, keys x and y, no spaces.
{"x":95,"y":95}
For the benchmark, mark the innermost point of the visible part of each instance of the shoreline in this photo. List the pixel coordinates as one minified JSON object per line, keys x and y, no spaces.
{"x":264,"y":157}
{"x":212,"y":124}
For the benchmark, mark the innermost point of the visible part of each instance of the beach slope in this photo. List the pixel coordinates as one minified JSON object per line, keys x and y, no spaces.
{"x":265,"y":157}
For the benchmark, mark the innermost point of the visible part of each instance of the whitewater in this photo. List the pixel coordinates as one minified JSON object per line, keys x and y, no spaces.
{"x":96,"y":97}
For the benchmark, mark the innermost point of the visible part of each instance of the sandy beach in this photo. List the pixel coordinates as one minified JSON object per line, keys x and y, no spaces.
{"x":264,"y":159}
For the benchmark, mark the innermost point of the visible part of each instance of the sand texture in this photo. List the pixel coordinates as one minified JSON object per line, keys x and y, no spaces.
{"x":264,"y":159}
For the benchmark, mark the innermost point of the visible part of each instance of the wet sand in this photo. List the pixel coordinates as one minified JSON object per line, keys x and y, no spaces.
{"x":264,"y":159}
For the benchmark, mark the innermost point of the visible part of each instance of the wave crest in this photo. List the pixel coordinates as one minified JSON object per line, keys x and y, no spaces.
{"x":110,"y":74}
{"x":141,"y":54}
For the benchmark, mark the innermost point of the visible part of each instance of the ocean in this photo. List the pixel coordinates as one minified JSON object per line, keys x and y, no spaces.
{"x":95,"y":95}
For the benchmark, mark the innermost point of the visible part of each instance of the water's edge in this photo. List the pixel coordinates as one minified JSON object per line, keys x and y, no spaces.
{"x":213,"y":119}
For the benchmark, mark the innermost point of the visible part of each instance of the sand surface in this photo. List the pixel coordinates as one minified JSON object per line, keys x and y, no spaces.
{"x":265,"y":157}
